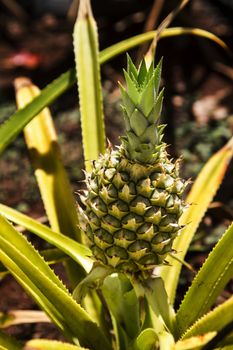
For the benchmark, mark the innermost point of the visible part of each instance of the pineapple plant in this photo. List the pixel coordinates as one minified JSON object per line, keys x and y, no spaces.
{"x":132,"y":218}
{"x":134,"y":194}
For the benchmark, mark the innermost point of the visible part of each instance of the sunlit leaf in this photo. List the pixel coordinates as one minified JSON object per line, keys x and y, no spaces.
{"x":22,"y":316}
{"x":47,"y":290}
{"x":59,"y":203}
{"x":89,"y":86}
{"x":166,"y":341}
{"x":194,"y":343}
{"x":51,"y":256}
{"x":213,"y":321}
{"x":8,"y":233}
{"x":146,"y":340}
{"x":15,"y":124}
{"x":75,"y":250}
{"x":44,"y":344}
{"x":200,"y":196}
{"x":208,"y":283}
{"x":127,"y":44}
{"x":41,"y":139}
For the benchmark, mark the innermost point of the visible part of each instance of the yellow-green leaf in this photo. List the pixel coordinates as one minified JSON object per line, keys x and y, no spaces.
{"x":146,"y":339}
{"x":56,"y":301}
{"x":213,"y":321}
{"x":132,"y":42}
{"x":89,"y":86}
{"x":194,"y":343}
{"x":200,"y":196}
{"x":8,"y":233}
{"x":8,"y":343}
{"x":14,"y":125}
{"x":209,"y":282}
{"x":75,"y":250}
{"x":41,"y":139}
{"x":22,"y":316}
{"x":44,"y":344}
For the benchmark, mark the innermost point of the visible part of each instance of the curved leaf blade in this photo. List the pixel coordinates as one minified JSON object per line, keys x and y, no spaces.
{"x":44,"y":344}
{"x":208,"y":283}
{"x":42,"y":142}
{"x":36,"y":294}
{"x":39,"y":297}
{"x":41,"y":139}
{"x":146,"y":340}
{"x":75,"y":317}
{"x":130,"y":43}
{"x":51,"y":256}
{"x":166,"y":341}
{"x":194,"y":343}
{"x":123,"y":303}
{"x":7,"y":232}
{"x":9,"y":343}
{"x":200,"y":196}
{"x":77,"y":251}
{"x":213,"y":321}
{"x":22,"y":316}
{"x":89,"y":86}
{"x":158,"y":300}
{"x":15,"y":124}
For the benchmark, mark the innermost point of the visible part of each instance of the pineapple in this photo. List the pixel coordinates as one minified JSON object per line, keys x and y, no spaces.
{"x":134,"y":197}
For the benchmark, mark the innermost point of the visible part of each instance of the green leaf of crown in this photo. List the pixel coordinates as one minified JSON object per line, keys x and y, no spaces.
{"x":142,"y":105}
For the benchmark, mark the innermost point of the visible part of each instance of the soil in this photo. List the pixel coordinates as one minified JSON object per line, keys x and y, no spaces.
{"x":198,"y":111}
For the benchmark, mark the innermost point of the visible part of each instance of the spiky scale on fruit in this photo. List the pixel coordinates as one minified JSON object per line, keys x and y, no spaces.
{"x":134,"y":198}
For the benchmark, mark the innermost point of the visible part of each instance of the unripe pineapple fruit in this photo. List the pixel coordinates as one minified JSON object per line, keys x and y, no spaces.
{"x":133,"y":202}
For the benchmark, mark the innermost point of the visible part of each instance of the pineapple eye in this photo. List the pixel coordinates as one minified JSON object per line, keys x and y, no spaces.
{"x":138,"y":245}
{"x":115,"y":251}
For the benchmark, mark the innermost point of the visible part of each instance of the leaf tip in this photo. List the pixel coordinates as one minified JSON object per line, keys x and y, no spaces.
{"x":85,"y":10}
{"x":22,"y":82}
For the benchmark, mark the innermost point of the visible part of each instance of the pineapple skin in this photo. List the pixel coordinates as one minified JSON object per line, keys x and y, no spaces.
{"x":134,"y":194}
{"x":132,"y":211}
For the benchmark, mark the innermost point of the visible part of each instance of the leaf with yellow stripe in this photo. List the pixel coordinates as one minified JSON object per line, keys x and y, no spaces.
{"x":35,"y":276}
{"x":194,"y":343}
{"x":213,"y":321}
{"x":77,"y":251}
{"x":22,"y":316}
{"x":41,"y":139}
{"x":44,"y":344}
{"x":199,"y":198}
{"x":209,"y":282}
{"x":89,"y":86}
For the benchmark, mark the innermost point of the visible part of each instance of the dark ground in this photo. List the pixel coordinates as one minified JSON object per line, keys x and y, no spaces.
{"x":198,"y":109}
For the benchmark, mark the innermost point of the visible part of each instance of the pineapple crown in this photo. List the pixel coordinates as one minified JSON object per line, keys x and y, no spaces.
{"x":142,"y":105}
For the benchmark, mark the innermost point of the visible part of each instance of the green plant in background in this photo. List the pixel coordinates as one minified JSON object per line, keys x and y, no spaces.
{"x":133,"y":211}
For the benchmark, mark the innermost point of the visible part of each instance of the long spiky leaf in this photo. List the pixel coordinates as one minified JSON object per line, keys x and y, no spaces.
{"x":208,"y":283}
{"x":15,"y":124}
{"x":201,"y":194}
{"x":88,"y":75}
{"x":75,"y":250}
{"x":41,"y":140}
{"x":78,"y":323}
{"x":212,"y":321}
